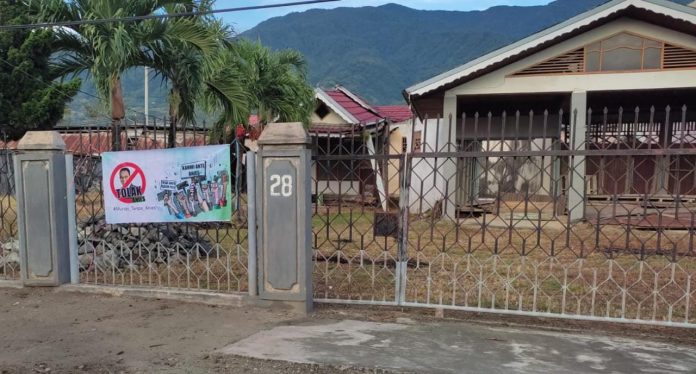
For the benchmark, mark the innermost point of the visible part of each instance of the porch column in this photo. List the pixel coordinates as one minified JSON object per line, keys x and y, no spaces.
{"x":578,"y":131}
{"x":447,"y":140}
{"x":663,"y":163}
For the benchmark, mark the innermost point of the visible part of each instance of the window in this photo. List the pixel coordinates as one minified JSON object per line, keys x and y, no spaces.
{"x":623,"y":52}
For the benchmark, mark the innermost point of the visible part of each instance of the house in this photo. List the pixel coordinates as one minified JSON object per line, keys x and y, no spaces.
{"x":347,"y":133}
{"x":622,"y":75}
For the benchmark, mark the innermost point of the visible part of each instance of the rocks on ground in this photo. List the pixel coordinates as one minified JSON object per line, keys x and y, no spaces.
{"x":109,"y":246}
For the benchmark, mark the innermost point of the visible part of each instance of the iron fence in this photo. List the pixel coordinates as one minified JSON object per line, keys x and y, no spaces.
{"x":573,"y":215}
{"x":9,"y":239}
{"x":205,"y":256}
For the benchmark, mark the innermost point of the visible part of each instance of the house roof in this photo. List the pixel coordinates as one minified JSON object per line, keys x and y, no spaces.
{"x":680,"y":14}
{"x":395,"y":113}
{"x":350,"y":107}
{"x":94,"y":143}
{"x":333,"y":129}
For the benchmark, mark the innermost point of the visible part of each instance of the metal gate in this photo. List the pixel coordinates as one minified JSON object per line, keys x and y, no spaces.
{"x":555,"y":229}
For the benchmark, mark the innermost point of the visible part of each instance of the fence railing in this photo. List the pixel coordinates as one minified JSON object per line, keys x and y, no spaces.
{"x":9,"y":240}
{"x":529,"y":214}
{"x":210,"y":256}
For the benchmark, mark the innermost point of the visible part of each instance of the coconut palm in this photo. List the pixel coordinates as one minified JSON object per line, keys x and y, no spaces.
{"x":107,"y":49}
{"x":195,"y":77}
{"x":276,"y":81}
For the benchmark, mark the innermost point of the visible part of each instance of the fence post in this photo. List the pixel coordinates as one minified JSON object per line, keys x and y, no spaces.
{"x":42,"y":208}
{"x":284,"y":232}
{"x":251,"y":221}
{"x":577,"y":188}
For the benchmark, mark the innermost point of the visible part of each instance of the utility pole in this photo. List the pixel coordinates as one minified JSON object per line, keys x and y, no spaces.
{"x":147,"y":97}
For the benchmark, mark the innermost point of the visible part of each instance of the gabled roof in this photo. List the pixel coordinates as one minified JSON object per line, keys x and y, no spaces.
{"x":349,"y":106}
{"x":94,"y":143}
{"x":680,"y":14}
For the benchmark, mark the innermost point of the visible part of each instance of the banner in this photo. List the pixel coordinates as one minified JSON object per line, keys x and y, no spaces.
{"x":170,"y":185}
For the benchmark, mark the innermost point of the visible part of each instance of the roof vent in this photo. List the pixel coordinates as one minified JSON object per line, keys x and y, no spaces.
{"x":571,"y":62}
{"x":678,"y":58}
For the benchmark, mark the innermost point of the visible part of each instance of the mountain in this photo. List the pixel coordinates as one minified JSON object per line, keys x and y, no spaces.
{"x":374,"y":51}
{"x":379,"y":51}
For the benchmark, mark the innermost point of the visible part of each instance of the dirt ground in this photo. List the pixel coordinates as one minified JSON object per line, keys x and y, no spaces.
{"x":45,"y":331}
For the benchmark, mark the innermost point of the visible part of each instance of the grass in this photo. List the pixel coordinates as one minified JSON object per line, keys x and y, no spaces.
{"x":541,"y":266}
{"x":574,"y":269}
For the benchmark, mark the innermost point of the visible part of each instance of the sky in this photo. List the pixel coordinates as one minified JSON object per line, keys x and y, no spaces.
{"x":243,"y":21}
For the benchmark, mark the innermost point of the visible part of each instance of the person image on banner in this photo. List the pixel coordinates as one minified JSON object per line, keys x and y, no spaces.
{"x":183,"y":202}
{"x":223,"y":177}
{"x":132,"y":191}
{"x":195,"y":190}
{"x":215,"y":194}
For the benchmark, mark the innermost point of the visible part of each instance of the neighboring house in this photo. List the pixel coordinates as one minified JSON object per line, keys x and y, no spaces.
{"x":625,"y":53}
{"x":344,"y":126}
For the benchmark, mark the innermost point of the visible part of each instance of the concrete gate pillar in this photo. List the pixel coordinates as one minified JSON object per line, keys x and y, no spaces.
{"x":42,"y":208}
{"x":577,"y":191}
{"x":284,"y":203}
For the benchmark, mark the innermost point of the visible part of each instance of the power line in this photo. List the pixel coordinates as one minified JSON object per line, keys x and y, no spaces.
{"x":160,"y":16}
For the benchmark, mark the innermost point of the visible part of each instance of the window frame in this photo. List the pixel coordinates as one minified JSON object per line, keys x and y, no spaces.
{"x":602,"y":51}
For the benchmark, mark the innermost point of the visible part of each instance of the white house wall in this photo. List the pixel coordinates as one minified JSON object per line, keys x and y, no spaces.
{"x":429,"y":175}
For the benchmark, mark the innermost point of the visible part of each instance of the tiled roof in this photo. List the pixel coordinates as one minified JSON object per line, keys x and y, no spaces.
{"x":95,"y":143}
{"x":362,"y":112}
{"x":395,"y":113}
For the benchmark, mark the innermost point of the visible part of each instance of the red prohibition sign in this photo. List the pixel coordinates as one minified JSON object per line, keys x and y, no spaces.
{"x":136,"y":171}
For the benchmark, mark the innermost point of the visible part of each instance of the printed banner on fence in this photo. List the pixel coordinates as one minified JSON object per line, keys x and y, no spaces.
{"x":169,"y":185}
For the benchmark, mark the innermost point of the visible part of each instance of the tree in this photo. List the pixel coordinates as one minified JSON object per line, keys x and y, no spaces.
{"x":29,"y":96}
{"x":193,"y":75}
{"x":275,"y":83}
{"x":107,"y":49}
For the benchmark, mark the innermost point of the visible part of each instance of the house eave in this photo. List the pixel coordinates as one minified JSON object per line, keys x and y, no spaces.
{"x":538,"y":41}
{"x":338,"y":109}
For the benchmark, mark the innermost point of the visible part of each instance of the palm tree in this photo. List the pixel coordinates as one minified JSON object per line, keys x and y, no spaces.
{"x":275,"y":86}
{"x":195,"y":77}
{"x":107,"y":49}
{"x":277,"y":81}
